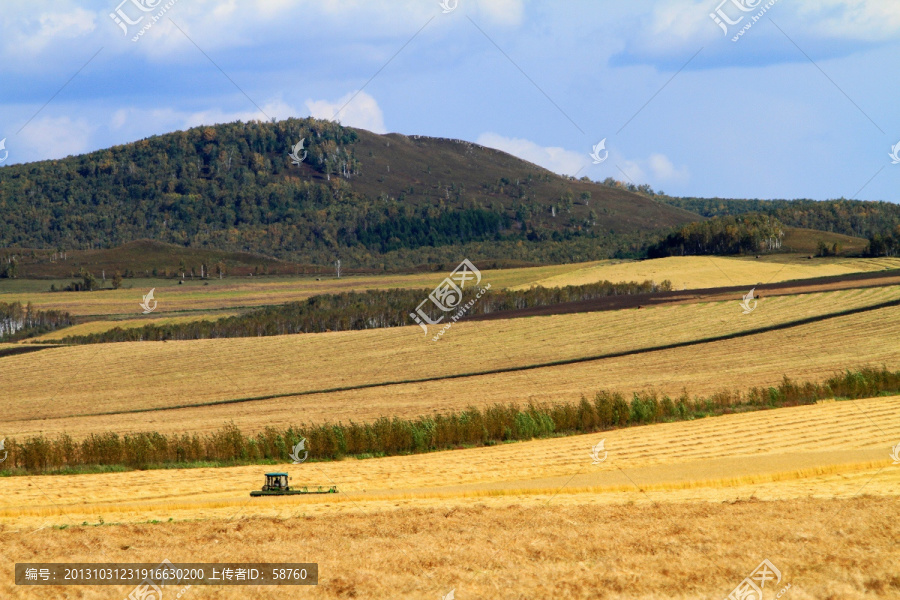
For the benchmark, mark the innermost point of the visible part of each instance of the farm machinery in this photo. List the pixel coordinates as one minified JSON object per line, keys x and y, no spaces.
{"x":277,"y":485}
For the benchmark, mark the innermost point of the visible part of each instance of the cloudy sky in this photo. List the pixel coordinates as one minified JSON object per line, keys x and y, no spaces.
{"x":733,"y":98}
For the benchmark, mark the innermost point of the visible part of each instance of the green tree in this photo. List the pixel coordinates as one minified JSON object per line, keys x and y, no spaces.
{"x":88,"y":279}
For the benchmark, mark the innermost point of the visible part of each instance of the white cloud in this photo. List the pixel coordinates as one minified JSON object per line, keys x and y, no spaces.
{"x":664,"y":171}
{"x":502,"y":12}
{"x":138,"y":122}
{"x":556,"y":159}
{"x":866,"y":20}
{"x":30,"y":32}
{"x":277,"y":109}
{"x":679,"y":26}
{"x":656,"y":169}
{"x":361,"y":111}
{"x":51,"y":138}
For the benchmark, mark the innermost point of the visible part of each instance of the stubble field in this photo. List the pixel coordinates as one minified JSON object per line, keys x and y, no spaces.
{"x":85,"y":388}
{"x":673,"y":510}
{"x":701,"y":502}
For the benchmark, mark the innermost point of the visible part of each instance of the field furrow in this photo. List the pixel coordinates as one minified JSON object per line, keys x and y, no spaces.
{"x":57,"y":382}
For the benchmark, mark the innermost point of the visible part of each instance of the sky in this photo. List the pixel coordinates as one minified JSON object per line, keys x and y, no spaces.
{"x":709,"y":98}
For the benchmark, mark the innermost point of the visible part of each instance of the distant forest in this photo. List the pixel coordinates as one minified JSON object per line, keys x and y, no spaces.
{"x":848,"y":217}
{"x":722,"y":235}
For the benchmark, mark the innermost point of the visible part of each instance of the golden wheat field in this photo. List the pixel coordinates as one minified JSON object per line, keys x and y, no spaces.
{"x":697,"y":272}
{"x":830,"y":443}
{"x":535,"y":517}
{"x":218,"y":294}
{"x":671,"y":510}
{"x":824,"y":549}
{"x":69,"y":388}
{"x":231,"y":293}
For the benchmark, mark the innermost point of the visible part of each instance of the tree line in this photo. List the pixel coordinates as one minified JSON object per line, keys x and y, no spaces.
{"x":19,"y":322}
{"x":855,"y":218}
{"x":722,"y":235}
{"x":387,"y":437}
{"x":887,"y":245}
{"x":372,"y":309}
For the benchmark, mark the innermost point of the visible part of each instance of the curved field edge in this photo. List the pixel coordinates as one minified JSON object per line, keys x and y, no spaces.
{"x":60,"y":382}
{"x":496,"y":424}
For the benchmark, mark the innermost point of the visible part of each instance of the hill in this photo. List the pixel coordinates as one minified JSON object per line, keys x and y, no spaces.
{"x":855,"y":218}
{"x":371,"y":200}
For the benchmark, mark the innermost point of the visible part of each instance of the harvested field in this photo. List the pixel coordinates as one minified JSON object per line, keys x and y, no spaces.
{"x":691,"y":459}
{"x":793,"y":484}
{"x":697,"y":272}
{"x":510,"y":550}
{"x":158,"y":375}
{"x":219,"y":294}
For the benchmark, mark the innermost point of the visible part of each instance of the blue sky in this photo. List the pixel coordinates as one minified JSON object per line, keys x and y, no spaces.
{"x":804,"y":104}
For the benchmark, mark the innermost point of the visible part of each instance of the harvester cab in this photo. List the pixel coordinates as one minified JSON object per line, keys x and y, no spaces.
{"x":277,"y":485}
{"x":276,"y":482}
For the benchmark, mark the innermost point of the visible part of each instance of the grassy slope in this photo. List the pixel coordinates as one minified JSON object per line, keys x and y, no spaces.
{"x":797,"y":239}
{"x":428,"y":164}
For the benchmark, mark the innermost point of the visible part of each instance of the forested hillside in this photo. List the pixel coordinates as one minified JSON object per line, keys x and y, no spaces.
{"x":722,"y":235}
{"x":848,"y":217}
{"x":371,"y":200}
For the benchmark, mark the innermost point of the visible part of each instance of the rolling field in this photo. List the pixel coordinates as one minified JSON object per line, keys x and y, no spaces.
{"x":682,"y":460}
{"x":789,"y":485}
{"x":101,"y":326}
{"x":232,"y":292}
{"x":70,"y":388}
{"x":674,"y":510}
{"x":697,"y":272}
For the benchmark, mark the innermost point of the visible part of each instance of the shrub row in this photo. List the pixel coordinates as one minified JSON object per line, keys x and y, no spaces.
{"x":392,"y":436}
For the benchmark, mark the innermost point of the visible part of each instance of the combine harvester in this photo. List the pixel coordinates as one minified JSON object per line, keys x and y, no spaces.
{"x":277,"y":485}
